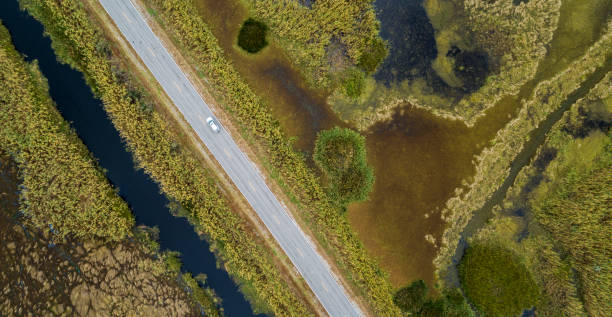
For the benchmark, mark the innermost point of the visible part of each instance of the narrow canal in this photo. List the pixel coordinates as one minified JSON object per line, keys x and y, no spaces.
{"x":77,"y":105}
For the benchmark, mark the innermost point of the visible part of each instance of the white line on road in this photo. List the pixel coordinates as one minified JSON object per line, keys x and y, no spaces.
{"x":324,"y":286}
{"x":178,"y":87}
{"x":151,"y":51}
{"x":126,"y":17}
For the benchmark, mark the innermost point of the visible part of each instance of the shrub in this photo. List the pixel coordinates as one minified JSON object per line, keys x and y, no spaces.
{"x":411,"y":298}
{"x":373,"y":55}
{"x":496,"y":282}
{"x":341,"y":155}
{"x":252,"y":36}
{"x":353,"y":82}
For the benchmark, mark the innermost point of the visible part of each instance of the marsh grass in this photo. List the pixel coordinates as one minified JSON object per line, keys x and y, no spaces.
{"x":493,"y":164}
{"x":555,"y":214}
{"x":500,"y":46}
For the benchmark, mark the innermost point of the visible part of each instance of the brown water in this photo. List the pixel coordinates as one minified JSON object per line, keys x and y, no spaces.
{"x":419,"y":159}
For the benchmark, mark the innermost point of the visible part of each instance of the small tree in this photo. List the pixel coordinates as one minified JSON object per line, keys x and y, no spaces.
{"x":411,"y":298}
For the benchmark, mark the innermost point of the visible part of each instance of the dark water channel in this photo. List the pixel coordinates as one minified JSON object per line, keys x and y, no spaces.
{"x":77,"y":104}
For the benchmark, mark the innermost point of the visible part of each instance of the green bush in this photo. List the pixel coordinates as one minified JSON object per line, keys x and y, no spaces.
{"x":496,"y":282}
{"x":452,"y":304}
{"x":252,"y":36}
{"x":373,"y":55}
{"x":353,"y":82}
{"x":341,"y":155}
{"x":411,"y":298}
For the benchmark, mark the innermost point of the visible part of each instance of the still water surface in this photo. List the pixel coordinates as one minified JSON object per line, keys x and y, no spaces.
{"x":76,"y":103}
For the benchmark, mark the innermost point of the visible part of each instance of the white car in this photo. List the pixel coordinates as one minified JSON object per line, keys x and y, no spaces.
{"x":213,"y":125}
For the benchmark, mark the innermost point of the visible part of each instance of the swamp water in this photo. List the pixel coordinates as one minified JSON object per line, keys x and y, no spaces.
{"x":419,"y":159}
{"x":77,"y":105}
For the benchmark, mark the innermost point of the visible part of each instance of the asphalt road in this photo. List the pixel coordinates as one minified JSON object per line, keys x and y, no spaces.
{"x":236,"y":164}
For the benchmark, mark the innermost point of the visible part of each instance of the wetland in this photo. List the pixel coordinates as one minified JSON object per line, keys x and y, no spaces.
{"x":419,"y":159}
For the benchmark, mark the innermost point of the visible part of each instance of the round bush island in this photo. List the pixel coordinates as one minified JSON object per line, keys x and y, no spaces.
{"x":496,"y":282}
{"x":341,"y":156}
{"x":252,"y":36}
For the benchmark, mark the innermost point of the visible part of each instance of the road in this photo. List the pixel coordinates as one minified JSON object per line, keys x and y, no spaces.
{"x":243,"y":173}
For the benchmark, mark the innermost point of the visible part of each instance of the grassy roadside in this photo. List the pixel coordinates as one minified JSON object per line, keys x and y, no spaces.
{"x":66,"y":199}
{"x":494,"y":162}
{"x":148,"y":136}
{"x":283,"y":162}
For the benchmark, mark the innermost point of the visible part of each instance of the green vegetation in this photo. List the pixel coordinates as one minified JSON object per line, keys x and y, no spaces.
{"x":148,"y":136}
{"x":411,"y":298}
{"x":573,"y":201}
{"x":458,"y":83}
{"x":493,"y":164}
{"x":252,"y":36}
{"x":308,"y":34}
{"x":253,"y":116}
{"x":496,"y":282}
{"x":53,"y":157}
{"x":85,"y":263}
{"x":353,"y":81}
{"x":341,"y":155}
{"x":373,"y":56}
{"x":556,"y":218}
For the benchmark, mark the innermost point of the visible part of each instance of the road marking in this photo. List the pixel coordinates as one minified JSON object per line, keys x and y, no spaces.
{"x":276,"y":218}
{"x":178,"y":87}
{"x":230,"y":156}
{"x":300,"y":252}
{"x":252,"y":187}
{"x":126,"y":17}
{"x":324,"y":286}
{"x":151,"y":50}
